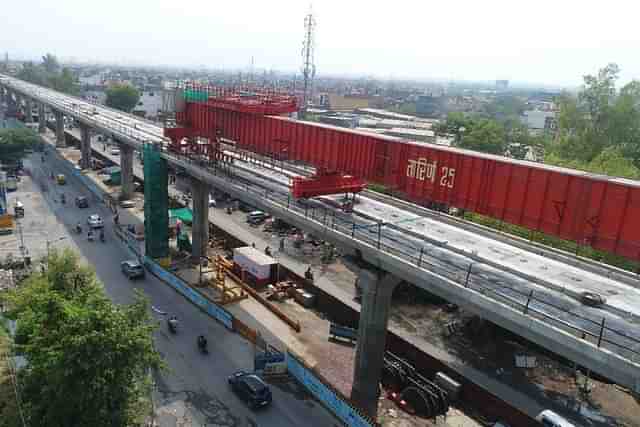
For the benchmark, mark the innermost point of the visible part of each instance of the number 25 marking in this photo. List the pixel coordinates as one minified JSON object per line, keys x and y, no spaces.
{"x":448,"y":177}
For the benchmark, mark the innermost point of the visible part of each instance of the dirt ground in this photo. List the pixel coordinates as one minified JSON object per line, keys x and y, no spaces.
{"x":493,"y":350}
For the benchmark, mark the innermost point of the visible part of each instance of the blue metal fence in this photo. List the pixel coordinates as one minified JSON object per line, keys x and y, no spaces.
{"x":340,"y":408}
{"x":214,"y":310}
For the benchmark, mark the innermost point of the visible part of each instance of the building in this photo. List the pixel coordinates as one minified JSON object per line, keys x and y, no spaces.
{"x":430,"y":105}
{"x":149,"y":104}
{"x":348,"y":102}
{"x":539,"y":121}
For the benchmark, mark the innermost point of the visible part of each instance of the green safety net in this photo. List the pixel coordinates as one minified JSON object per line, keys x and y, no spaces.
{"x":183,"y":214}
{"x":195,"y":95}
{"x":156,"y":194}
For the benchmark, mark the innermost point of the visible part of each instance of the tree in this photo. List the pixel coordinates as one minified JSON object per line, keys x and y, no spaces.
{"x":14,"y":143}
{"x":87,"y":360}
{"x":33,"y":73}
{"x":50,"y":63}
{"x":64,"y":82}
{"x":122,"y":97}
{"x":486,"y":136}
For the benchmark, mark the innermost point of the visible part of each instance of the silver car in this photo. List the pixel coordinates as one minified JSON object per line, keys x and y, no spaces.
{"x":95,"y":221}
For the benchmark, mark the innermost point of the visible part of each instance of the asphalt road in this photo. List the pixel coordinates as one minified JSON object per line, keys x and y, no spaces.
{"x":193,"y":390}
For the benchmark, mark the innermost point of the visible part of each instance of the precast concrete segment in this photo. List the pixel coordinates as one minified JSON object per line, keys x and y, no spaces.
{"x":126,"y":170}
{"x":60,"y":138}
{"x":85,"y":146}
{"x":377,"y":288}
{"x":200,"y":231}
{"x":42,"y":118}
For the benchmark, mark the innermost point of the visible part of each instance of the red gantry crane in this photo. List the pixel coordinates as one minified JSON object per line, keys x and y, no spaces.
{"x":594,"y":210}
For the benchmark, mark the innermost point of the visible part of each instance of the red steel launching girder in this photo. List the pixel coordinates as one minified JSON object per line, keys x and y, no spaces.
{"x":597,"y":211}
{"x":321,"y":185}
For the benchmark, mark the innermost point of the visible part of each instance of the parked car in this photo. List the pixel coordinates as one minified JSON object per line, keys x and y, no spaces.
{"x":550,"y":419}
{"x":250,"y":388}
{"x":82,"y":202}
{"x":592,"y":299}
{"x":95,"y":221}
{"x":132,"y":269}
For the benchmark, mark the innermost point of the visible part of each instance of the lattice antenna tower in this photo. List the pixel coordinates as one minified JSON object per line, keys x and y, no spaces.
{"x":308,"y":64}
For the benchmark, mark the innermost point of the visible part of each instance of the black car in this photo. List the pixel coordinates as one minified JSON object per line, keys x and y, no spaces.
{"x":132,"y":269}
{"x":250,"y":388}
{"x":82,"y":202}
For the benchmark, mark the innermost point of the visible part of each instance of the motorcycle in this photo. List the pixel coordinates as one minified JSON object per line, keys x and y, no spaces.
{"x":172,"y":324}
{"x":102,"y":237}
{"x":90,"y":236}
{"x":202,"y":344}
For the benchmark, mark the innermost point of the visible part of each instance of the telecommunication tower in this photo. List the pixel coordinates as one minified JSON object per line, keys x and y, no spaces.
{"x":308,"y":67}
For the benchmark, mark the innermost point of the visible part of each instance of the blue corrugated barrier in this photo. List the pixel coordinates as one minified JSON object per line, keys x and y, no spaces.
{"x":341,"y":409}
{"x":214,"y":310}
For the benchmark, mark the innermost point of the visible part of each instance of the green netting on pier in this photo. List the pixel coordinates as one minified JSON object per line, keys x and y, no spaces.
{"x":156,"y":194}
{"x":195,"y":95}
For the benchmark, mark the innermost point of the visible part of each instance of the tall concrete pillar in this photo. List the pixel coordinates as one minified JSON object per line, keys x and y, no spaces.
{"x":60,"y":138}
{"x":85,"y":146}
{"x":12,"y":105}
{"x":28,"y":110}
{"x":42,"y":118}
{"x":200,"y":226}
{"x":126,"y":171}
{"x":377,"y":288}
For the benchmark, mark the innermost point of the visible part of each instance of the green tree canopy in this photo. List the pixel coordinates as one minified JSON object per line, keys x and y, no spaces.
{"x":14,"y":142}
{"x":87,"y":359}
{"x":484,"y":135}
{"x":50,"y":63}
{"x":122,"y":97}
{"x":50,"y":74}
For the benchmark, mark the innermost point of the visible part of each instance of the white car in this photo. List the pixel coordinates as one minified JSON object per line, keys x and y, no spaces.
{"x":115,"y":151}
{"x":95,"y":221}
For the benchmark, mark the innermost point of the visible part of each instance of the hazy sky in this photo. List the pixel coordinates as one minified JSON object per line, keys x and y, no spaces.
{"x":542,"y":41}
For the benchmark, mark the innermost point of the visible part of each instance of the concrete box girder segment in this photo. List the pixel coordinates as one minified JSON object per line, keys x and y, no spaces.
{"x":377,"y":288}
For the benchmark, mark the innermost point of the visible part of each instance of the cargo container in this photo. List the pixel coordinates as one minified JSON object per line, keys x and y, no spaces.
{"x":257,"y":268}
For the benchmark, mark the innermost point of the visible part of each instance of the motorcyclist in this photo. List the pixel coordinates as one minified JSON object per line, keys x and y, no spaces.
{"x":63,"y":199}
{"x":102,"y":235}
{"x":78,"y":228}
{"x":308,"y":274}
{"x":173,"y":323}
{"x":90,"y":235}
{"x":202,"y":342}
{"x":267,"y":251}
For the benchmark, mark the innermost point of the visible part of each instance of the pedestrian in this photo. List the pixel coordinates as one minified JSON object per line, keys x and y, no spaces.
{"x":253,"y":245}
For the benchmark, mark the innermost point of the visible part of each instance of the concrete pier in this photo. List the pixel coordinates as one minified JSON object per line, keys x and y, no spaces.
{"x":200,"y":227}
{"x":377,"y":288}
{"x":126,"y":168}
